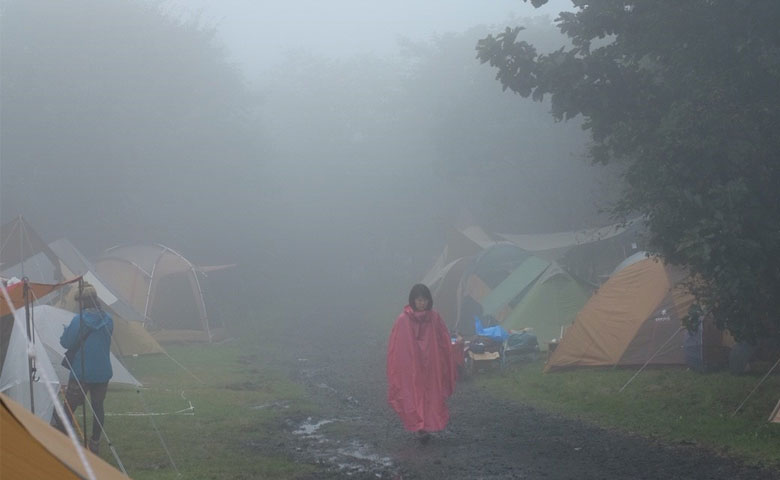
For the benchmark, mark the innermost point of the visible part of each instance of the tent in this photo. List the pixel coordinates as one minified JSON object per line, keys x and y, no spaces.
{"x":552,"y":302}
{"x":633,"y":318}
{"x":500,"y":301}
{"x":49,"y":323}
{"x":15,"y":371}
{"x":554,"y":245}
{"x":445,"y":290}
{"x":490,"y":268}
{"x":589,"y":254}
{"x":30,"y":448}
{"x":24,"y":254}
{"x":15,"y":364}
{"x":461,"y":243}
{"x":130,"y":337}
{"x":775,"y":417}
{"x":164,"y":287}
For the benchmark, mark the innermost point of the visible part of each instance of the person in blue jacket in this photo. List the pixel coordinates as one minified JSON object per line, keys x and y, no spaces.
{"x":90,"y":334}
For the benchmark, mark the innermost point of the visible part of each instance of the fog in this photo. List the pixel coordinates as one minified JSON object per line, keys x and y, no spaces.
{"x":324,"y":147}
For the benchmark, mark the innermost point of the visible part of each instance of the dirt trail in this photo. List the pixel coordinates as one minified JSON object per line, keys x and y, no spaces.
{"x":358,"y":436}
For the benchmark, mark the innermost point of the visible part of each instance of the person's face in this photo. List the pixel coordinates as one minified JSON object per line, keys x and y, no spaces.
{"x":420,"y":304}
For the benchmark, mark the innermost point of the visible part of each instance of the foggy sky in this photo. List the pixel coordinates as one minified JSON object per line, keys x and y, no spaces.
{"x":258,"y":33}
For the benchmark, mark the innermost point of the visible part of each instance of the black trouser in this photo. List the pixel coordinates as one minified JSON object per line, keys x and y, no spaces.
{"x":74,"y":398}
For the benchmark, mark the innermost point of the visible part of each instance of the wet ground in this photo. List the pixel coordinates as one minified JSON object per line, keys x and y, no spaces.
{"x":358,"y":436}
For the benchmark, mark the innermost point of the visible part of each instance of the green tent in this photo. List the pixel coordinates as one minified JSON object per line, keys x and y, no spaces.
{"x":552,"y":302}
{"x":497,"y":302}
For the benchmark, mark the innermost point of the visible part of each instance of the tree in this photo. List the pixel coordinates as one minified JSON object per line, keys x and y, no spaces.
{"x":685,"y":95}
{"x":120,"y":119}
{"x":508,"y":161}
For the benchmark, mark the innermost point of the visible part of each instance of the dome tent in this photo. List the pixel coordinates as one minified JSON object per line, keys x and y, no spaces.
{"x":632,"y":318}
{"x":162,"y":285}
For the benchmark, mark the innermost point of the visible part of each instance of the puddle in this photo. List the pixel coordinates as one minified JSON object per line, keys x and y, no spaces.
{"x":349,"y":457}
{"x":309,"y":428}
{"x":362,"y":452}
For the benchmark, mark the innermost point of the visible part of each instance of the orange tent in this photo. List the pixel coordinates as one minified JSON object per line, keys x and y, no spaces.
{"x":634,"y":317}
{"x":35,"y":291}
{"x":31,"y":448}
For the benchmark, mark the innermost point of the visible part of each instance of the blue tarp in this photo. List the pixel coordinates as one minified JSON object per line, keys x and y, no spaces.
{"x":494,"y":333}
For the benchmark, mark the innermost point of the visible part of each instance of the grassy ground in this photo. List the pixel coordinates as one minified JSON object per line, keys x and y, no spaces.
{"x":242,"y":393}
{"x":237,"y":400}
{"x":671,"y":404}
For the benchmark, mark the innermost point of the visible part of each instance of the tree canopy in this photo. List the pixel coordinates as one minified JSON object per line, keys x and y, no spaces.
{"x":685,"y":95}
{"x":117,"y":110}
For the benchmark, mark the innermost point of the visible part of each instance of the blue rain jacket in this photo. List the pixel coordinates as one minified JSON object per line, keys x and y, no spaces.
{"x":96,"y":348}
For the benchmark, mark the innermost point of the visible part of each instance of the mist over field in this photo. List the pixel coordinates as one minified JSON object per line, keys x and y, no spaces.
{"x":313,"y":160}
{"x":316,"y":148}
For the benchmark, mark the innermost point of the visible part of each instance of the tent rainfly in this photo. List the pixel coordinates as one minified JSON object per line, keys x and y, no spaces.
{"x":162,"y":285}
{"x":552,"y":302}
{"x":633,"y":318}
{"x":30,"y":448}
{"x":491,"y":267}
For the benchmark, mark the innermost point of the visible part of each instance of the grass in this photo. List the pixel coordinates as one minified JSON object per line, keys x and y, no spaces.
{"x":242,"y":394}
{"x":671,"y":404}
{"x":239,"y":405}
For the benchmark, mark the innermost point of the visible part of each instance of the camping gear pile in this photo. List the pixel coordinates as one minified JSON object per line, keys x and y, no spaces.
{"x":482,"y":352}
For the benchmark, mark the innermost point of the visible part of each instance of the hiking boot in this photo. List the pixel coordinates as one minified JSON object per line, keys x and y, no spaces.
{"x":94,"y":446}
{"x":423,"y":436}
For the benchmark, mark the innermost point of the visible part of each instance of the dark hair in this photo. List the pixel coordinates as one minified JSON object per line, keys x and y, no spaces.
{"x":418,"y":291}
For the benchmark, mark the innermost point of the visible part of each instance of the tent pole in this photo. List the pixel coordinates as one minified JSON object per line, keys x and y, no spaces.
{"x":756,"y":387}
{"x":649,"y":359}
{"x":83,"y":370}
{"x":30,"y":362}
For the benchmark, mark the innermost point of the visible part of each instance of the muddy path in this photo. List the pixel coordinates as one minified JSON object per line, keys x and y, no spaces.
{"x":358,"y":436}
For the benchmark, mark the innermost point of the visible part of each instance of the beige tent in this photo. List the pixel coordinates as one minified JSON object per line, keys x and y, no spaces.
{"x":775,"y":417}
{"x":130,"y":337}
{"x":30,"y":448}
{"x":444,"y":277}
{"x":461,"y":243}
{"x":164,"y":287}
{"x":632,"y":319}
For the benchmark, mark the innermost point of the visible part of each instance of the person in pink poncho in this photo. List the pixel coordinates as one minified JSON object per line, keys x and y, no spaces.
{"x":420,"y":369}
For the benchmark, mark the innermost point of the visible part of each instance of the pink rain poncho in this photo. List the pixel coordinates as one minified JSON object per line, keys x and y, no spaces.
{"x":420,"y":370}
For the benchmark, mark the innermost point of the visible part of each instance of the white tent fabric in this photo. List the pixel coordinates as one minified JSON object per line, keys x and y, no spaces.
{"x":15,"y":377}
{"x":50,"y":322}
{"x":74,"y":262}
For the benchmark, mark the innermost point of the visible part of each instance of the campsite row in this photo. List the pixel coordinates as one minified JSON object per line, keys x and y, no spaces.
{"x":613,"y":305}
{"x":153,"y":293}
